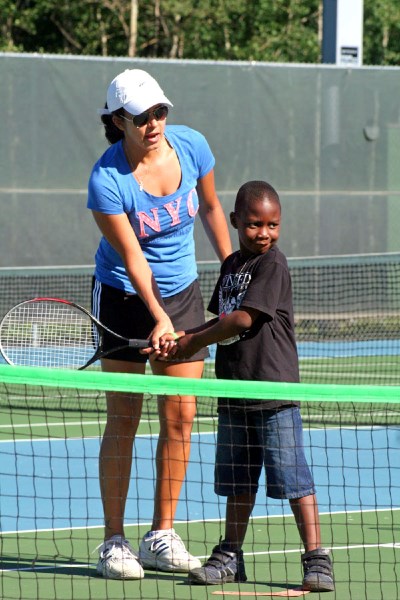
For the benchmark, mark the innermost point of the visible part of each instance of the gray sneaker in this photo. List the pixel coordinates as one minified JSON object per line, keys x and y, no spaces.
{"x":223,"y":566}
{"x":318,"y":573}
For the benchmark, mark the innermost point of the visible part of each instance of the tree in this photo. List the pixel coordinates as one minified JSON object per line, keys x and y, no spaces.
{"x":261,"y":30}
{"x":381,"y":32}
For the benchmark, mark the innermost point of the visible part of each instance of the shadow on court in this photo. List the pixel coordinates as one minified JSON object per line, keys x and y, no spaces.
{"x":65,"y":566}
{"x":69,"y":566}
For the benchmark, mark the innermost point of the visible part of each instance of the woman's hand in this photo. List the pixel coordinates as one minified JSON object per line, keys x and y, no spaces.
{"x":161,"y":333}
{"x":160,"y":337}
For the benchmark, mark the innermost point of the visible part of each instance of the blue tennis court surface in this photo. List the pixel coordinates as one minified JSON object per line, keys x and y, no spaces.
{"x":51,"y":484}
{"x":347,"y":349}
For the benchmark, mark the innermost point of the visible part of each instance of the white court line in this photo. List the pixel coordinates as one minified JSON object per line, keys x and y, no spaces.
{"x":332,"y":548}
{"x":82,"y":423}
{"x":57,"y":424}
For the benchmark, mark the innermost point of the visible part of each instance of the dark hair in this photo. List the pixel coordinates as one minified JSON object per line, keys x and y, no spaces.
{"x":253,"y":191}
{"x":111,"y":131}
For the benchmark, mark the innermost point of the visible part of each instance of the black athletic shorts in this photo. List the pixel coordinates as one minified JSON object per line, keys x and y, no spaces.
{"x":126,"y":315}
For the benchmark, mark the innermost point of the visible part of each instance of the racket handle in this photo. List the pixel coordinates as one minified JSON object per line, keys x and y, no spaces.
{"x":139,"y":344}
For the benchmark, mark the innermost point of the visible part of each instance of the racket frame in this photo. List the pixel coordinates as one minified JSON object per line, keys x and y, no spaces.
{"x":101,"y":329}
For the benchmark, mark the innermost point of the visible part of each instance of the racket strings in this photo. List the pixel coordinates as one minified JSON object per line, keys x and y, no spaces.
{"x":50,"y":334}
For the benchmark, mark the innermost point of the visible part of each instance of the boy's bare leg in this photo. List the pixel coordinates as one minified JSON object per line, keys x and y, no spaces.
{"x":238,"y":511}
{"x":316,"y":562}
{"x":226,"y":564}
{"x":305,"y":511}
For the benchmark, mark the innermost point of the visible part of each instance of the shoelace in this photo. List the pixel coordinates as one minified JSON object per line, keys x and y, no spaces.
{"x":109,"y":546}
{"x":178,"y":540}
{"x":173,"y":538}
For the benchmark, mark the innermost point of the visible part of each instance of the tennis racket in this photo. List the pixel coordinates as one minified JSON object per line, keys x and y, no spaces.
{"x":50,"y":332}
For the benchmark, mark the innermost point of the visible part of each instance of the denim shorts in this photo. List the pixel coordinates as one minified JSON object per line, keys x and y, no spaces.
{"x":249,"y":440}
{"x":127,"y":315}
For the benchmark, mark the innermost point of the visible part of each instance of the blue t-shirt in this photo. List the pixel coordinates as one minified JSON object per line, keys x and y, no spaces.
{"x":163,"y":225}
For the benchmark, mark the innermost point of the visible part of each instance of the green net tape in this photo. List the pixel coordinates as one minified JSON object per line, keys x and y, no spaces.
{"x":153,"y":384}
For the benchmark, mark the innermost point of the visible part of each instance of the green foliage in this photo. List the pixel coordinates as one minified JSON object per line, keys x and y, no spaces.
{"x":263,"y":30}
{"x":381,"y":32}
{"x":260,"y":30}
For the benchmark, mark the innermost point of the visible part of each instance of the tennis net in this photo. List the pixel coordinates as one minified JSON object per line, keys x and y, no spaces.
{"x":50,"y":507}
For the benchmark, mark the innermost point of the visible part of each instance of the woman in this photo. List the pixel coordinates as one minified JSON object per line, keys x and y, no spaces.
{"x":145,"y":192}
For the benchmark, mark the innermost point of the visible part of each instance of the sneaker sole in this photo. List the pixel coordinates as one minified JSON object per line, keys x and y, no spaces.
{"x":139,"y":574}
{"x":119,"y":577}
{"x":194,"y":581}
{"x":318,"y":587}
{"x":167,"y":568}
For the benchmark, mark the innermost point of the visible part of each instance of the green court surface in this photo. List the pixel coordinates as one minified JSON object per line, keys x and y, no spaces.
{"x":375,"y":370}
{"x":61,"y":564}
{"x":353,"y":370}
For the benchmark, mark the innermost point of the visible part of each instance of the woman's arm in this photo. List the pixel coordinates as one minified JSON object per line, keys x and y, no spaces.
{"x":212,"y":216}
{"x":119,"y":233}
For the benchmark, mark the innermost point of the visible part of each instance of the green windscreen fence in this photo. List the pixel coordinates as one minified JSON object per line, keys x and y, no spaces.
{"x":327,"y":138}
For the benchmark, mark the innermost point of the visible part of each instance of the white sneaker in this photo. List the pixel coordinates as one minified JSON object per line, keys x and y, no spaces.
{"x":165,"y":551}
{"x":118,"y":560}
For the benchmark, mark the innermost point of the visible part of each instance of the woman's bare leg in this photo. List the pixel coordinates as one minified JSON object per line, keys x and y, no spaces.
{"x":123,"y":417}
{"x":176,"y":421}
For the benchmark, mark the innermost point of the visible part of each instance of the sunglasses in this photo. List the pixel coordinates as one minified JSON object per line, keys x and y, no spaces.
{"x":159,"y":114}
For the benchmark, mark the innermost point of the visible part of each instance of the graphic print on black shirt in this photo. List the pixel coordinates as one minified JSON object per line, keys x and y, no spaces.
{"x":231,"y":293}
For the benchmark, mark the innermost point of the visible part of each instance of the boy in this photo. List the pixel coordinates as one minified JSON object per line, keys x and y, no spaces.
{"x":255,"y":335}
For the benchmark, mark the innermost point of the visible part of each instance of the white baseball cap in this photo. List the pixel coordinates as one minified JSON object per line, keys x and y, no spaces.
{"x":135,"y":91}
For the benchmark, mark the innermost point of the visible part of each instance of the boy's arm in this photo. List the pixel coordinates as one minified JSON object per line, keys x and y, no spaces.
{"x":198,"y":329}
{"x":213,"y":331}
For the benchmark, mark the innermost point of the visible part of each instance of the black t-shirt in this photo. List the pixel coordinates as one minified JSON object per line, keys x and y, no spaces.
{"x":267,"y":351}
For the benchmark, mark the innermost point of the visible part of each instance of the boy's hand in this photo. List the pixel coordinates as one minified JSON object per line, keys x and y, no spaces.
{"x":166,"y":343}
{"x":177,"y":349}
{"x":184,"y":347}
